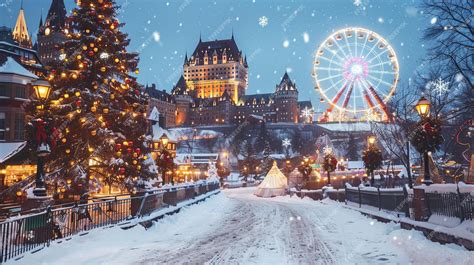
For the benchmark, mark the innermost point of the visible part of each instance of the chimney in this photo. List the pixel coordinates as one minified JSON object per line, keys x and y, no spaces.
{"x":162,"y":121}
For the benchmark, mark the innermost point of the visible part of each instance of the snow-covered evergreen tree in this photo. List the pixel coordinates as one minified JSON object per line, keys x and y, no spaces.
{"x":97,"y":105}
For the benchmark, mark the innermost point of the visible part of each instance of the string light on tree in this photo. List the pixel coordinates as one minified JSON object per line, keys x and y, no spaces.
{"x":99,"y":99}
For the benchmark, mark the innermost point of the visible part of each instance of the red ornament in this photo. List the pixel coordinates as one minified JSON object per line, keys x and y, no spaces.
{"x":118,"y":147}
{"x":122,"y":170}
{"x":130,"y":143}
{"x":129,"y":150}
{"x":78,"y":103}
{"x":138,"y":151}
{"x":127,"y":81}
{"x":91,"y":53}
{"x":137,"y":92}
{"x":427,"y":127}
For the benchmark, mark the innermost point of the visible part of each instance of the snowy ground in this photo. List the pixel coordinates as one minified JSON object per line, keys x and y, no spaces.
{"x":235,"y":227}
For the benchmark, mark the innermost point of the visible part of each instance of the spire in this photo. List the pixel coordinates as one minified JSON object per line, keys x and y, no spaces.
{"x":41,"y":21}
{"x":232,"y":33}
{"x":286,"y":83}
{"x":20,"y":32}
{"x":200,"y":40}
{"x":186,"y":58}
{"x":56,"y":18}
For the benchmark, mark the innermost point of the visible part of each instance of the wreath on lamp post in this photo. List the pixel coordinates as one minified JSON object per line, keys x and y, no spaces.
{"x":372,"y":158}
{"x":305,"y":169}
{"x":329,"y":165}
{"x":426,"y":136}
{"x":165,"y":163}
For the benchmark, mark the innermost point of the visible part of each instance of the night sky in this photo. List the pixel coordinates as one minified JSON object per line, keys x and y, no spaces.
{"x":163,"y":31}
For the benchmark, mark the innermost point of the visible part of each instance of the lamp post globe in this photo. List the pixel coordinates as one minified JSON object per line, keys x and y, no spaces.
{"x":423,"y":107}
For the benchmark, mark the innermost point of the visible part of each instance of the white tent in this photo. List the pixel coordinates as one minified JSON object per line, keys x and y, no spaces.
{"x":274,"y":184}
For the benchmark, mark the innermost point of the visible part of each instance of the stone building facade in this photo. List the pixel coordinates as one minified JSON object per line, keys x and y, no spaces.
{"x":211,"y":91}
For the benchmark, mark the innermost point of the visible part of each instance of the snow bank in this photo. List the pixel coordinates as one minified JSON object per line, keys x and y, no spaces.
{"x":448,"y":188}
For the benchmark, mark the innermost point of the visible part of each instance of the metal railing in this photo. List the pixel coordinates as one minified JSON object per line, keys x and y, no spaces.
{"x":22,"y":234}
{"x":391,"y":200}
{"x":460,"y":205}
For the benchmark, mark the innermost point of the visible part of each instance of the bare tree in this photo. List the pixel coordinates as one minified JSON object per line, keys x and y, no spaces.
{"x":452,"y":36}
{"x":394,"y":136}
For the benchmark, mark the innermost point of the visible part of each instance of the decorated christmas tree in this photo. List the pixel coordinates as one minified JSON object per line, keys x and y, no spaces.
{"x":97,"y":106}
{"x":212,"y":172}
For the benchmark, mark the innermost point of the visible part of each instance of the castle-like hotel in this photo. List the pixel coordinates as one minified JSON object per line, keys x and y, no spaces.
{"x":211,"y":90}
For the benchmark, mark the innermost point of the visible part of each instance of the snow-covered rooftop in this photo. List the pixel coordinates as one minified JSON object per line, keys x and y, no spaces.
{"x":347,"y":126}
{"x":158,"y":132}
{"x":13,"y":67}
{"x":8,"y":150}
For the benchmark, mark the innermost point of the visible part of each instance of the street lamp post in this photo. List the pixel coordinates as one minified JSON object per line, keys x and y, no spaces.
{"x":371,"y":142}
{"x":42,"y":90}
{"x":423,"y":109}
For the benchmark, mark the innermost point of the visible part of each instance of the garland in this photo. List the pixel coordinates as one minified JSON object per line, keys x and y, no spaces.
{"x":329,"y":163}
{"x":427,"y":135}
{"x":372,"y":158}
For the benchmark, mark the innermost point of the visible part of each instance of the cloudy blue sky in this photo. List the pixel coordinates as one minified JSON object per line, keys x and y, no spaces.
{"x":163,"y":31}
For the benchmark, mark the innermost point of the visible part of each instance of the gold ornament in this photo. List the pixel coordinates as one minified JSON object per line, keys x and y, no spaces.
{"x":93,"y":109}
{"x":68,"y":151}
{"x":93,"y":132}
{"x":64,"y":140}
{"x":77,"y":93}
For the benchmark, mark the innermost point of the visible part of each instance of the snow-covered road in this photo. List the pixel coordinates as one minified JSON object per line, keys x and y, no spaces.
{"x":235,"y":227}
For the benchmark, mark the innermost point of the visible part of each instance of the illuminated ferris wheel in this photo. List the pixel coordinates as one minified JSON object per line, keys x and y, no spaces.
{"x":356,"y":72}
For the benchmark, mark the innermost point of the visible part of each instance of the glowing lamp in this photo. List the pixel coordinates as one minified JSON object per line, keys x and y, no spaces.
{"x":371,"y":140}
{"x":42,"y":89}
{"x":164,"y":140}
{"x":423,"y":107}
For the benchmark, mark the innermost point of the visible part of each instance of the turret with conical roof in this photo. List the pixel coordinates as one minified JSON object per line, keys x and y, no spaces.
{"x":51,"y":32}
{"x":286,"y":85}
{"x":20,"y":31}
{"x":56,"y":18}
{"x":183,"y":101}
{"x":286,"y":100}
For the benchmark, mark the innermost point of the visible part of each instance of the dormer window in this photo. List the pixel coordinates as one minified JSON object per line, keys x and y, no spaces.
{"x":214,"y":58}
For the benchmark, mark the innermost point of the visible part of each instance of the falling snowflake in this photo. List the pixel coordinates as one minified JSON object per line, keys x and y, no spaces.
{"x":62,"y":56}
{"x":327,"y":150}
{"x":263,"y":21}
{"x":307,"y":112}
{"x":305,"y":37}
{"x":439,"y":86}
{"x":357,"y":2}
{"x":156,"y":36}
{"x":286,"y":143}
{"x":286,"y":43}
